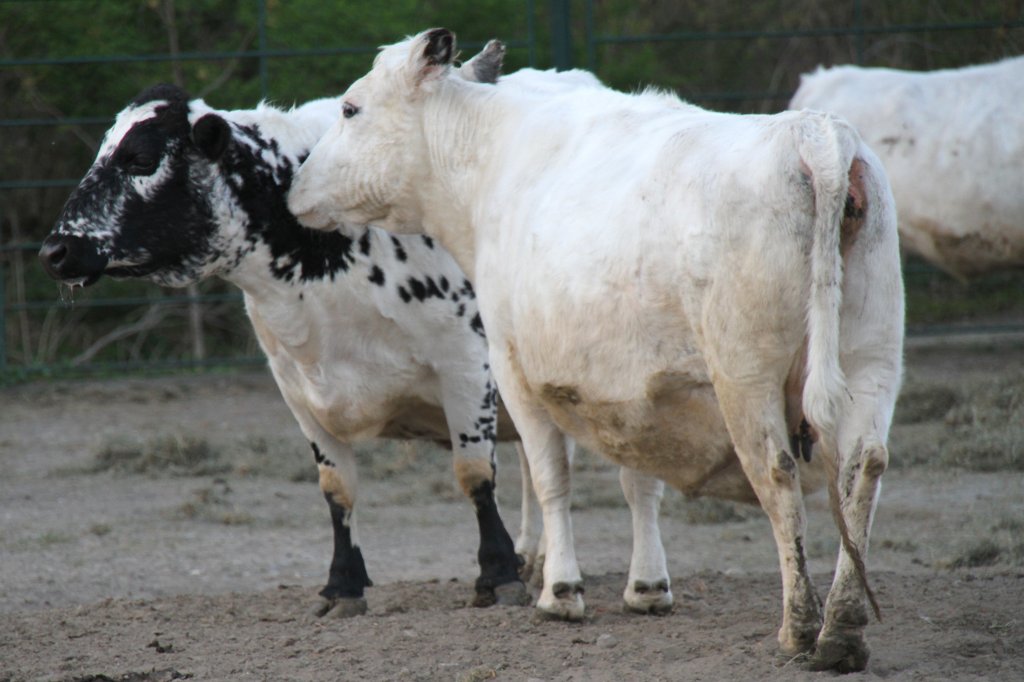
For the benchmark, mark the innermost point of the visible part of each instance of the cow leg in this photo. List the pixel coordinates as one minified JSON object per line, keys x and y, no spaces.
{"x":549,"y":453}
{"x":863,"y":458}
{"x":343,"y":594}
{"x":648,"y":587}
{"x":754,"y":416}
{"x":528,"y":542}
{"x":561,"y":596}
{"x":499,"y":581}
{"x":473,"y":446}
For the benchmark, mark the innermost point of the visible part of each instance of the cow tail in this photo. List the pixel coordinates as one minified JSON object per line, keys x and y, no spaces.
{"x":827,"y":150}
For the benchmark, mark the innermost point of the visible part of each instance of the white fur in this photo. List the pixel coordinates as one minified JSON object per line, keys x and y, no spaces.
{"x":952,"y":142}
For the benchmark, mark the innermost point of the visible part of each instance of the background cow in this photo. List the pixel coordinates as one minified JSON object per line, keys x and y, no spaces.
{"x":674,"y":288}
{"x":367,"y":334}
{"x":953,"y":146}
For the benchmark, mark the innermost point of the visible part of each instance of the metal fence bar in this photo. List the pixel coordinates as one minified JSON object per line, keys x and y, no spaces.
{"x":690,"y":36}
{"x":531,"y":33}
{"x":561,"y":34}
{"x":85,"y":369}
{"x":183,"y":56}
{"x":37,"y":184}
{"x":128,"y":302}
{"x":3,"y":301}
{"x":53,"y":122}
{"x":276,"y":53}
{"x":262,"y":42}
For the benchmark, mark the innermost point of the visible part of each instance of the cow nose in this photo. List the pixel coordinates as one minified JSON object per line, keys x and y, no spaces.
{"x":68,"y":257}
{"x":52,"y":255}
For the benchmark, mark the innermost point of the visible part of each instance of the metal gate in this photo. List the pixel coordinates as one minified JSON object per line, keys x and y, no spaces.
{"x":729,"y":55}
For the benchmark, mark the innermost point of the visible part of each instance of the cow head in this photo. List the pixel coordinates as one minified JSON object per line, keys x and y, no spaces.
{"x":141,"y":210}
{"x":364,"y":169}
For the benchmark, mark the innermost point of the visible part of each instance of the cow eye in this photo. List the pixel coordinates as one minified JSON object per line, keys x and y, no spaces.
{"x":141,"y":164}
{"x":349,"y":110}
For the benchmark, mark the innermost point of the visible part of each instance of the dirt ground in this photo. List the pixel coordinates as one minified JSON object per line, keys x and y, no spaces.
{"x":170,"y":528}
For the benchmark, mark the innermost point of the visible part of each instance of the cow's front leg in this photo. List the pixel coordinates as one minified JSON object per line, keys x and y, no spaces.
{"x":648,"y":588}
{"x":549,"y":453}
{"x":343,"y":595}
{"x":472,"y":419}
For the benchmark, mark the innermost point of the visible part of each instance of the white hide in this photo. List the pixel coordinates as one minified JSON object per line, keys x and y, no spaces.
{"x":952,"y":142}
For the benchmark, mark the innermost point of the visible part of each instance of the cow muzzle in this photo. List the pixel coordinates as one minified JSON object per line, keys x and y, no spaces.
{"x":72,"y":259}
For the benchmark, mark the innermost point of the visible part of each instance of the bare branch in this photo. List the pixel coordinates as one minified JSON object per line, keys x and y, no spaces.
{"x":153,"y":316}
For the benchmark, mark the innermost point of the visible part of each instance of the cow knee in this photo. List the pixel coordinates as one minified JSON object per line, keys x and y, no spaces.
{"x":876,"y":461}
{"x":332,"y":484}
{"x":473,"y":474}
{"x":784,"y":469}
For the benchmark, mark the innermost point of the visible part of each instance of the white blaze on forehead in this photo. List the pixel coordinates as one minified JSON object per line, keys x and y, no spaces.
{"x":124,"y":122}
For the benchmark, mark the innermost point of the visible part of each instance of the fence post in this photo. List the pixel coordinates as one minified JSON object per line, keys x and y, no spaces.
{"x":858,"y":32}
{"x":262,"y":29}
{"x":588,"y":32}
{"x":3,"y":299}
{"x":561,"y":38}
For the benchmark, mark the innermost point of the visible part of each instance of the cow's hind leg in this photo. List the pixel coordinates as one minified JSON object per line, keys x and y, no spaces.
{"x":863,"y":458}
{"x":648,"y":587}
{"x":343,"y":596}
{"x":528,"y":543}
{"x":756,"y":424}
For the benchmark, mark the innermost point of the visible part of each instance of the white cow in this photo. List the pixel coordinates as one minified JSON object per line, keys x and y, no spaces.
{"x":367,"y":334}
{"x":952,"y":143}
{"x":671,"y":287}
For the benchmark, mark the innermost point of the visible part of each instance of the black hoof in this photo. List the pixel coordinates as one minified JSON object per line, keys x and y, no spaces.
{"x":507,"y":594}
{"x":512,"y":594}
{"x":341,"y":607}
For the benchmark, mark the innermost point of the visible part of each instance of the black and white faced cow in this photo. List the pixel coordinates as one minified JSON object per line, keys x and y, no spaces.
{"x":368,"y":334}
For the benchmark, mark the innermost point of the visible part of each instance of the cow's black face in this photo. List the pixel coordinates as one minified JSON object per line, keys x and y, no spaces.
{"x":142,"y":210}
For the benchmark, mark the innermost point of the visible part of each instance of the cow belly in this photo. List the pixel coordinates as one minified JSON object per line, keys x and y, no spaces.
{"x":417,"y":420}
{"x":674,"y":431}
{"x":402,"y":417}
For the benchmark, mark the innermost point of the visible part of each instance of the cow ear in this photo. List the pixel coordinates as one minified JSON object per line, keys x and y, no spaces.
{"x":211,"y":133}
{"x":437,"y":55}
{"x":485,"y":67}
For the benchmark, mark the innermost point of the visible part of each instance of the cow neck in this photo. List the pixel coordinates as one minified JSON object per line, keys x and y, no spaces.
{"x":279,"y":254}
{"x":457,"y":129}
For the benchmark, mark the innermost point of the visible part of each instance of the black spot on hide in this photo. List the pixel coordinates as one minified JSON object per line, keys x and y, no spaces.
{"x":297,"y":252}
{"x":477,"y":325}
{"x":399,"y":251}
